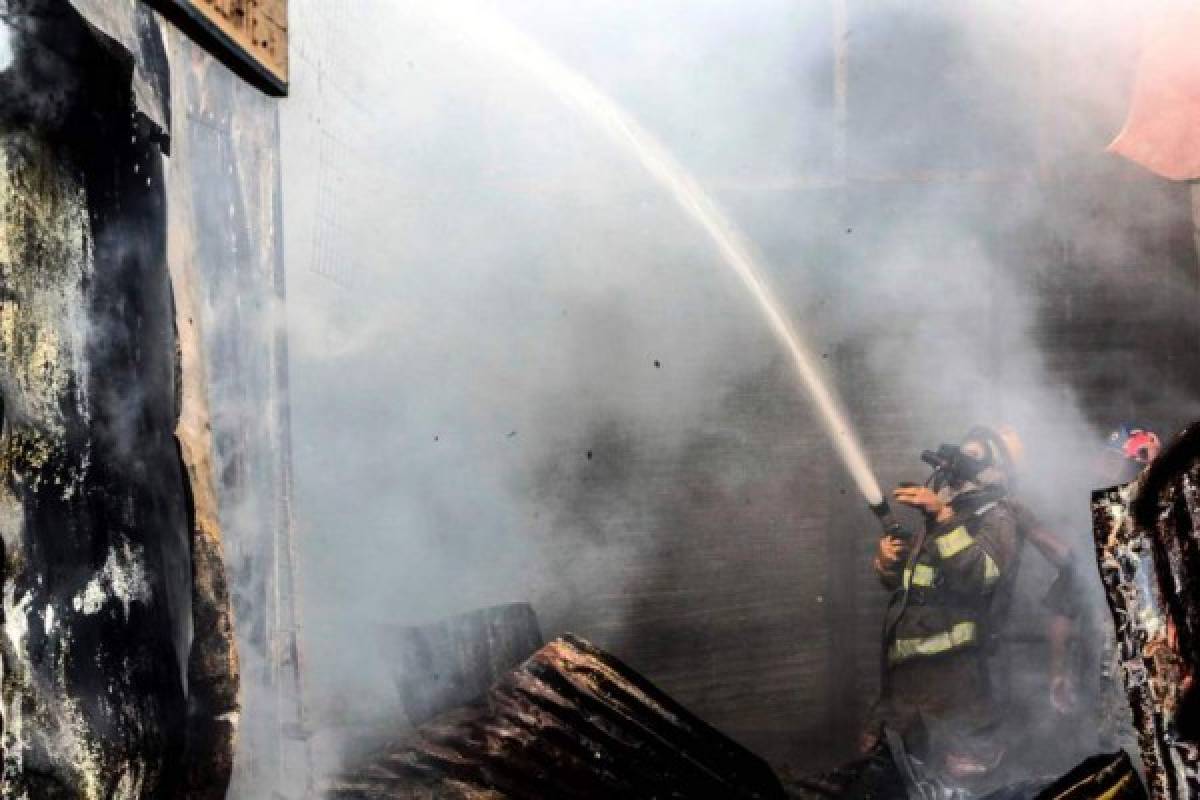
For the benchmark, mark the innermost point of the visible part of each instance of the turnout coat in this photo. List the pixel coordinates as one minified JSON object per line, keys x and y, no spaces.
{"x":948,"y":605}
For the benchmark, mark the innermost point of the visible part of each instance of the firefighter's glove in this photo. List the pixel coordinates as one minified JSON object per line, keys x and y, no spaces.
{"x":892,"y":551}
{"x":925,"y":499}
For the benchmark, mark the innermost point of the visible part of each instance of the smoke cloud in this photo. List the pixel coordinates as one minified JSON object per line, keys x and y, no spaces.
{"x":6,"y":54}
{"x":520,"y":372}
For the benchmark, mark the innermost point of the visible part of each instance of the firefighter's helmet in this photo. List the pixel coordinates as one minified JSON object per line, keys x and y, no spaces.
{"x":1134,"y":443}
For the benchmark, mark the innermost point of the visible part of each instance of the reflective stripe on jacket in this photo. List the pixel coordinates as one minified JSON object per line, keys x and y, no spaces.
{"x":942,"y":597}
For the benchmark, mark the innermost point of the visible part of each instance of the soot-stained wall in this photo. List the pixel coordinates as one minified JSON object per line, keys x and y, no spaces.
{"x":97,"y":538}
{"x":144,"y":503}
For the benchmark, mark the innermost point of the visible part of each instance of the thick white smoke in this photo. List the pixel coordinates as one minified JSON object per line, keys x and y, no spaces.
{"x":521,"y":371}
{"x":6,"y":54}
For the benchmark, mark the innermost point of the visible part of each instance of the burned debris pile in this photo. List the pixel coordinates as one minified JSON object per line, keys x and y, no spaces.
{"x":1111,"y":776}
{"x":1149,"y":554}
{"x":574,"y":722}
{"x":571,"y":721}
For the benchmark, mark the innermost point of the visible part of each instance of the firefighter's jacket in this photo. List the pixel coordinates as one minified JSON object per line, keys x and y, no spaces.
{"x":949,"y":594}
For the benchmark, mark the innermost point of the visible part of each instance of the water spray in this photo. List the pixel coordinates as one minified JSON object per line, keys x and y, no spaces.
{"x":491,"y":32}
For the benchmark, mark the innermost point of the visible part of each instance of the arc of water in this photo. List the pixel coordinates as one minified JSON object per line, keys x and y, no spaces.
{"x":498,"y":36}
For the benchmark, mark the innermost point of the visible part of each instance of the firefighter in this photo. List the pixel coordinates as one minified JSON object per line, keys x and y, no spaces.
{"x":1127,"y":452}
{"x":1062,"y":600}
{"x":949,"y":585}
{"x":1071,"y":631}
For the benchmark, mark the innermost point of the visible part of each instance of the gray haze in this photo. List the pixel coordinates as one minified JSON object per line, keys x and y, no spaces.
{"x":520,"y":373}
{"x":6,"y":54}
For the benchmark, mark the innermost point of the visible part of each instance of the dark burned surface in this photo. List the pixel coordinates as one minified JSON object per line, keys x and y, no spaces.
{"x":572,"y":721}
{"x":96,"y":514}
{"x":1110,"y":776}
{"x":1149,"y":560}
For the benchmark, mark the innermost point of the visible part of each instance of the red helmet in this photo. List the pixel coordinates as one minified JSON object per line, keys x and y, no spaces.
{"x":1136,"y":444}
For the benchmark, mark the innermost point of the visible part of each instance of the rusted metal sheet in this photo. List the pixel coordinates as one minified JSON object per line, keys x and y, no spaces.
{"x":572,"y":721}
{"x":1149,"y":551}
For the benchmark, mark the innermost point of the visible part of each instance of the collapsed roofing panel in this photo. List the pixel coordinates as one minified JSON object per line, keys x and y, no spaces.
{"x":571,"y":721}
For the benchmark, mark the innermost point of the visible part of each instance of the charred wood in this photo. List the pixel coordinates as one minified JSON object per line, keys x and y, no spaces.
{"x":1149,"y":555}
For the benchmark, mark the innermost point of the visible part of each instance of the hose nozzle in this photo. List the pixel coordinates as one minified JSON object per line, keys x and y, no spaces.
{"x":887,"y":520}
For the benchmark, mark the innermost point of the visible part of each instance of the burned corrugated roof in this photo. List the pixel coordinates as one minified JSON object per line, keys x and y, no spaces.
{"x":572,"y":721}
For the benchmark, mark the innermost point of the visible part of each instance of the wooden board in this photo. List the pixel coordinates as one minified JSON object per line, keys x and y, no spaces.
{"x":249,"y":36}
